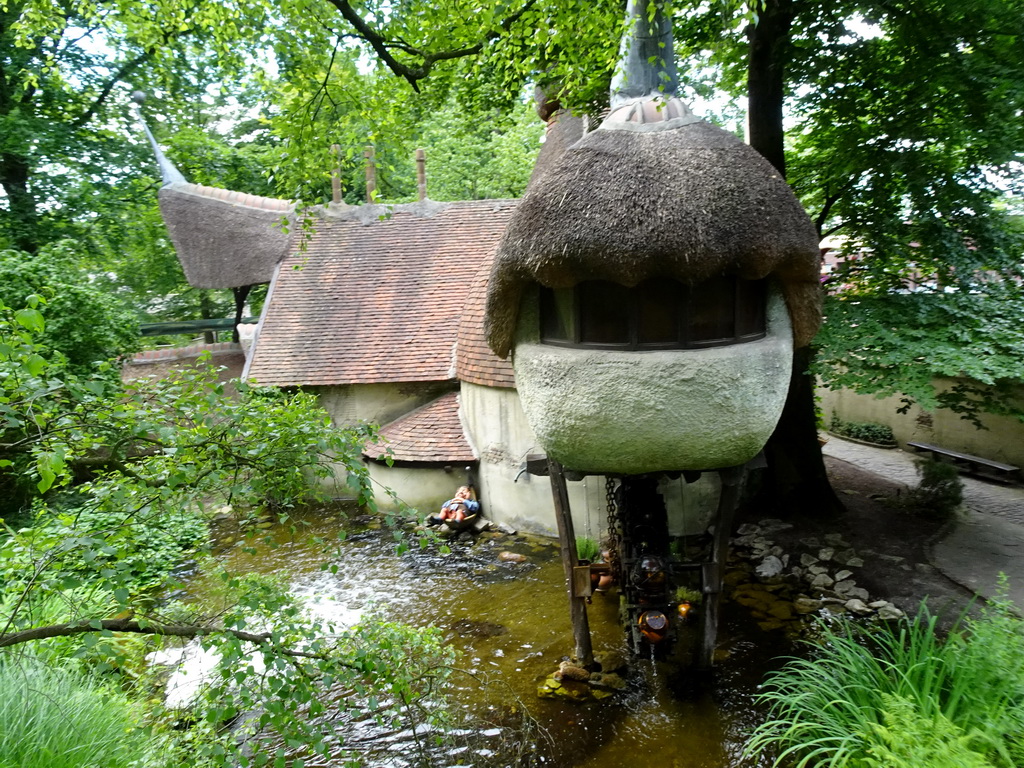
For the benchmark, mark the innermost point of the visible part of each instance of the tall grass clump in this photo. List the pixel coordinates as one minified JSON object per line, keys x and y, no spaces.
{"x":902,"y":697}
{"x":58,"y":718}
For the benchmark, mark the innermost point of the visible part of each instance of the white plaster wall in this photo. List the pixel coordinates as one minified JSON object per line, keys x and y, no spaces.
{"x":638,"y":412}
{"x":502,"y":438}
{"x":1003,"y":440}
{"x":376,"y":403}
{"x":422,"y":489}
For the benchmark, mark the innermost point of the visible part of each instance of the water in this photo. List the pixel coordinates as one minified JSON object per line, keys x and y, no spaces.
{"x":510,"y":624}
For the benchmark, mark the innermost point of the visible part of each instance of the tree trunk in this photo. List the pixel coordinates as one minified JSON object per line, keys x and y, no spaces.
{"x":796,"y":480}
{"x":21,"y":206}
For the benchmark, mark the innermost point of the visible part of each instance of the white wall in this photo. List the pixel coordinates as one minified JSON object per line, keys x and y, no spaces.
{"x":377,"y":403}
{"x":1003,"y":440}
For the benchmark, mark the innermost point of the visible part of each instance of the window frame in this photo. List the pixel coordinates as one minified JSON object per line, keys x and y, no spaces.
{"x":634,"y":298}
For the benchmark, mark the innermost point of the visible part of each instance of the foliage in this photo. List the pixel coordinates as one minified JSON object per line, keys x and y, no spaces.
{"x":867,"y":431}
{"x":901,"y":343}
{"x":587,"y":549}
{"x":122,"y":477}
{"x":86,"y":324}
{"x":61,"y":718}
{"x":865,"y":697}
{"x":940,"y":491}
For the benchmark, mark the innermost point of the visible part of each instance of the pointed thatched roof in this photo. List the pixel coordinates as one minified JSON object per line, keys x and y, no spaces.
{"x":225,"y":239}
{"x":656,"y":192}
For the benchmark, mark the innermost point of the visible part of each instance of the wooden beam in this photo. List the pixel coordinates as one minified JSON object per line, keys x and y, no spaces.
{"x":732,"y":479}
{"x":584,"y":653}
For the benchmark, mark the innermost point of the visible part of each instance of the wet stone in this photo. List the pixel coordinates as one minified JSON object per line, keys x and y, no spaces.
{"x":817,"y":570}
{"x":843,"y":556}
{"x":858,"y":607}
{"x":826,"y":553}
{"x":843,"y":575}
{"x":890,"y":612}
{"x":805,"y":605}
{"x":770,"y":567}
{"x":807,"y":559}
{"x":822,"y":581}
{"x":855,"y":562}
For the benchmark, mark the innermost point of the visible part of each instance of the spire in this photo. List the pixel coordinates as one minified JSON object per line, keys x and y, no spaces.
{"x":647,"y":61}
{"x":168,"y":172}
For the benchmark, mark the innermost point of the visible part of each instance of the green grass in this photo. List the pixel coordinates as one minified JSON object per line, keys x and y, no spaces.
{"x":902,"y":697}
{"x":52,"y":717}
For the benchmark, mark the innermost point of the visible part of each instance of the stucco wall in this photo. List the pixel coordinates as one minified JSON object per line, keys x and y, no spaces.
{"x":377,"y":403}
{"x":423,"y":489}
{"x":650,"y":411}
{"x":502,"y":438}
{"x":1002,"y":441}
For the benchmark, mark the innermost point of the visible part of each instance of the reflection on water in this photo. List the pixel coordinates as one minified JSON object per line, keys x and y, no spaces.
{"x":510,"y":623}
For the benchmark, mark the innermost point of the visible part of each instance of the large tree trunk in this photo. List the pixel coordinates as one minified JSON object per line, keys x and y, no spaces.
{"x":796,"y":480}
{"x":21,"y":205}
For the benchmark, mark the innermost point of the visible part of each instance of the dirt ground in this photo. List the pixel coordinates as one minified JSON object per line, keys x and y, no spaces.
{"x":893,"y":542}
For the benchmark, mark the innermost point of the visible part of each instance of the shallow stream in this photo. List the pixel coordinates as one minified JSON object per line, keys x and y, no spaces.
{"x":509,"y":621}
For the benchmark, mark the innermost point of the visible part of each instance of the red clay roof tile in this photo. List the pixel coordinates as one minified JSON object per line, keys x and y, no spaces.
{"x":432,"y":433}
{"x":374,"y":300}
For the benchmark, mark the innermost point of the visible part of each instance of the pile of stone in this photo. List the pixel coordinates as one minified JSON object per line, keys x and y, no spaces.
{"x":782,"y":588}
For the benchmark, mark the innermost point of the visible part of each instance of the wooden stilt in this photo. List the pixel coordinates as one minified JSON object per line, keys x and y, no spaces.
{"x":714,"y":571}
{"x":584,"y":654}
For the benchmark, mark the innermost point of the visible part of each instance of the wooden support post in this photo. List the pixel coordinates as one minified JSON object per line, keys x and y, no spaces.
{"x":714,"y":571}
{"x":584,"y":653}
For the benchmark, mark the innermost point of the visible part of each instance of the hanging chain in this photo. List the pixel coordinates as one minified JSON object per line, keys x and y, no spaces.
{"x":614,"y":530}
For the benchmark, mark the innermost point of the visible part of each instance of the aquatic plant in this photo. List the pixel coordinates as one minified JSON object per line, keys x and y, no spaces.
{"x":867,"y":696}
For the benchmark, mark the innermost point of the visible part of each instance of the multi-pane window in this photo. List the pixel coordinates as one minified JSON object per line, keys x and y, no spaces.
{"x":657,"y":314}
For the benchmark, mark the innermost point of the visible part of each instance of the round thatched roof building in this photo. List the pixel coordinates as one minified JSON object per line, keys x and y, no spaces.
{"x":656,"y":192}
{"x":652,"y":284}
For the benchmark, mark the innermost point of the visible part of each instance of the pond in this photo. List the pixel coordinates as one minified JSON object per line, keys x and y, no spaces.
{"x":509,"y":622}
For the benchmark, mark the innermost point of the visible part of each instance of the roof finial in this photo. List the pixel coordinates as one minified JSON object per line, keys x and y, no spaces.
{"x":647,"y":62}
{"x":168,"y":172}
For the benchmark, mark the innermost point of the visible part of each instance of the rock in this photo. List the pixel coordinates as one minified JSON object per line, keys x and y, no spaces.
{"x":843,"y":556}
{"x":569,"y":671}
{"x":855,"y":562}
{"x":835,"y":539}
{"x":890,"y":612}
{"x":807,"y":559}
{"x":842,"y":575}
{"x":805,"y":605}
{"x":826,"y":553}
{"x":844,"y":587}
{"x":770,"y":567}
{"x":611,"y":661}
{"x":822,"y":581}
{"x":748,"y":529}
{"x":607,"y":680}
{"x":858,"y":607}
{"x":777,"y":551}
{"x":923,"y":568}
{"x":511,"y":557}
{"x":781,"y":610}
{"x":878,"y":604}
{"x":505,"y":528}
{"x":817,"y":570}
{"x":811,"y":542}
{"x":770,"y":625}
{"x":473,"y":628}
{"x":773,"y":525}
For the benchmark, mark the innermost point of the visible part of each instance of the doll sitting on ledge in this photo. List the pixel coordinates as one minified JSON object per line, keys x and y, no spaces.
{"x":458,"y":509}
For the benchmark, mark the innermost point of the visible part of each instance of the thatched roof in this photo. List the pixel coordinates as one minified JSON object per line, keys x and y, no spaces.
{"x":225,"y":239}
{"x":656,"y":192}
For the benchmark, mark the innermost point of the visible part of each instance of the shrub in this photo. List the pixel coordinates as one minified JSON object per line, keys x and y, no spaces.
{"x":867,"y":431}
{"x":940,"y":491}
{"x":587,"y":549}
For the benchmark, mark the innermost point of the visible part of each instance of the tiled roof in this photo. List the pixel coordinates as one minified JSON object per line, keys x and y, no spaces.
{"x":376,"y":300}
{"x":432,"y":433}
{"x":475,"y":362}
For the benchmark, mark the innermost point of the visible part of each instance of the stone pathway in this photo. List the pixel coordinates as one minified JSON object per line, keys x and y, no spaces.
{"x":987,"y":541}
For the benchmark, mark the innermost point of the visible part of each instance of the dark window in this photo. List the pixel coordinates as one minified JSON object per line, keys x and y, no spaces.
{"x":657,"y":314}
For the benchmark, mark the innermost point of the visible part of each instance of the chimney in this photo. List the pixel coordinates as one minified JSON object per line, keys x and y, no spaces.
{"x":336,"y":174}
{"x":371,"y":173}
{"x":421,"y":173}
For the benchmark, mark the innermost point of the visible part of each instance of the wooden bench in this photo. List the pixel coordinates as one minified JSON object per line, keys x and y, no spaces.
{"x":994,"y":470}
